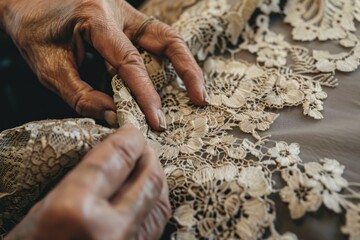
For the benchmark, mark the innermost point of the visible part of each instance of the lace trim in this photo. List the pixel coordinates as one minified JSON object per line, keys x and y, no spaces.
{"x":221,"y":186}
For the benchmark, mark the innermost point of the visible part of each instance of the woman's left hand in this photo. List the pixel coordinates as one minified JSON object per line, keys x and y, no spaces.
{"x":51,"y":35}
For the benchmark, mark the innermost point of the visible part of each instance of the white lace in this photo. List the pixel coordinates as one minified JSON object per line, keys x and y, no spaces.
{"x":221,"y":185}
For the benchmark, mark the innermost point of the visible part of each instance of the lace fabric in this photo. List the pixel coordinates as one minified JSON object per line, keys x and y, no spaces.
{"x":35,"y":156}
{"x":222,"y":186}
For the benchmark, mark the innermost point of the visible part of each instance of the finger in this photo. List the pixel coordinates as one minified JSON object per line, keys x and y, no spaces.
{"x":160,"y":38}
{"x":110,"y":69}
{"x":124,"y":57}
{"x":154,"y":224}
{"x":106,"y":167}
{"x":141,"y":194}
{"x":79,"y":49}
{"x":57,"y":71}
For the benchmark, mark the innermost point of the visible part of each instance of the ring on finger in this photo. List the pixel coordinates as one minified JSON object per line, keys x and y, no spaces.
{"x":141,"y":29}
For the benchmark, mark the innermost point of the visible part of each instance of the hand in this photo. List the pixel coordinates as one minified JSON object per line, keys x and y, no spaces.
{"x":51,"y":35}
{"x":118,"y":191}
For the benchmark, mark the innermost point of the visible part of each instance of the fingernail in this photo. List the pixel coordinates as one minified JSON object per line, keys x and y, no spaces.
{"x":206,"y":96}
{"x":162,"y":119}
{"x":111,"y":118}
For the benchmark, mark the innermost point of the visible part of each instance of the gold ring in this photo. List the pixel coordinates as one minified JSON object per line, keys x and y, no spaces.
{"x":141,"y":29}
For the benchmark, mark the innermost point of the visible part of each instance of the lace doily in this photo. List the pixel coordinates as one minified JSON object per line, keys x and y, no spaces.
{"x":223,"y":186}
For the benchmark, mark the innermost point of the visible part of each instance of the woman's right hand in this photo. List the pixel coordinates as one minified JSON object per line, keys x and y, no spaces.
{"x":118,"y":191}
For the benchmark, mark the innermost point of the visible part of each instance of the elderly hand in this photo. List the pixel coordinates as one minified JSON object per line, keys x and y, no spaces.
{"x":51,"y":35}
{"x":118,"y":191}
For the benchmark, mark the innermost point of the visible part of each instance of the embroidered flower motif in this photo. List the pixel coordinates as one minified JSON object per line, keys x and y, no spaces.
{"x":215,"y":117}
{"x":269,"y":6}
{"x":174,"y":176}
{"x":270,"y":47}
{"x":213,"y":200}
{"x":254,"y":182}
{"x":254,"y":218}
{"x":215,"y":203}
{"x":252,"y":120}
{"x":227,"y":82}
{"x":217,"y":195}
{"x":312,"y":107}
{"x":232,"y":91}
{"x":176,"y":104}
{"x":313,"y":96}
{"x":332,"y":200}
{"x":186,"y":139}
{"x":305,"y":33}
{"x":302,"y":193}
{"x":206,"y":173}
{"x":315,"y":90}
{"x":328,"y":173}
{"x":217,"y":8}
{"x":237,"y":152}
{"x":285,"y":154}
{"x":217,"y":144}
{"x":281,"y":91}
{"x":272,"y":56}
{"x":352,"y":227}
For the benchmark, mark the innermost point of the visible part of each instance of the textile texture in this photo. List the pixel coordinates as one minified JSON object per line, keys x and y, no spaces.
{"x":230,"y":173}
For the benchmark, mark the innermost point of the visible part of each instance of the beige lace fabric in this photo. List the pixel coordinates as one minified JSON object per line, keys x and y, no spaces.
{"x":35,"y":156}
{"x":223,"y":170}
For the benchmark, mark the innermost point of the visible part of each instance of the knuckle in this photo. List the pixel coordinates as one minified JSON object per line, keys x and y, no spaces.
{"x":173,"y":37}
{"x":125,"y":149}
{"x":157,"y":175}
{"x":166,"y":33}
{"x":46,"y":74}
{"x":157,"y":178}
{"x":64,"y":211}
{"x":130,"y":57}
{"x":186,"y":74}
{"x":165,"y":202}
{"x":94,"y":13}
{"x":145,"y":94}
{"x":80,"y":104}
{"x":20,"y":38}
{"x":166,"y":207}
{"x":80,"y":100}
{"x":91,"y":6}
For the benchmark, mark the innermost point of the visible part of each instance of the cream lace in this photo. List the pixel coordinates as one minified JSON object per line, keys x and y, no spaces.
{"x":222,"y":186}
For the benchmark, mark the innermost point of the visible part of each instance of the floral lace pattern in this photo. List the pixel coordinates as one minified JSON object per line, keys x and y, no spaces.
{"x":327,"y":20}
{"x":35,"y":156}
{"x":222,"y":186}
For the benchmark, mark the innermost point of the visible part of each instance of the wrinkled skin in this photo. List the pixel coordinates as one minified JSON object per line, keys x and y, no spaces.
{"x":51,"y":36}
{"x":118,"y":191}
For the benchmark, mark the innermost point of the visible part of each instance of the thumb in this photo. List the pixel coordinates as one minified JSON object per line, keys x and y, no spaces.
{"x":95,"y":104}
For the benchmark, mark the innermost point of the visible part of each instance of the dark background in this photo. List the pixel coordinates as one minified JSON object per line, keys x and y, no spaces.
{"x":24,"y":99}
